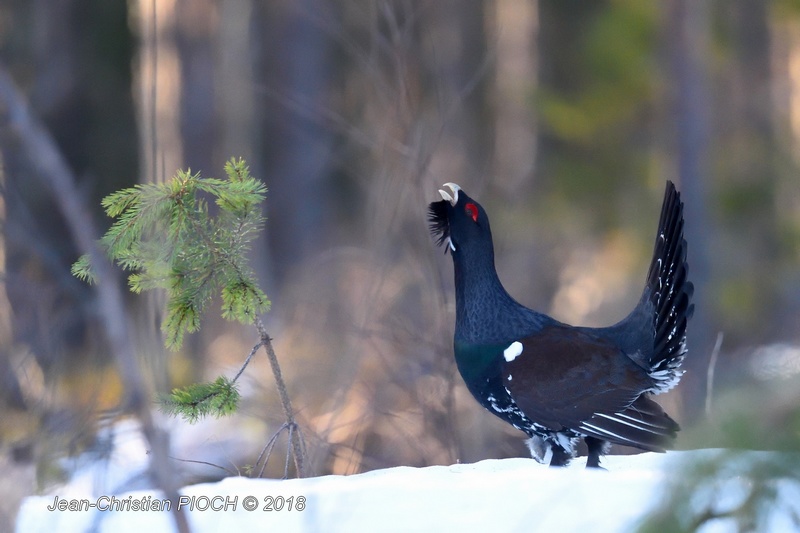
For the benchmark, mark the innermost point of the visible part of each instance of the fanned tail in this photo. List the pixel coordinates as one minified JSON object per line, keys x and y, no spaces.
{"x":669,"y":292}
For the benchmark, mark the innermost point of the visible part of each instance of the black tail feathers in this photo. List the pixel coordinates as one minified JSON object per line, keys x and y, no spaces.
{"x":670,"y":293}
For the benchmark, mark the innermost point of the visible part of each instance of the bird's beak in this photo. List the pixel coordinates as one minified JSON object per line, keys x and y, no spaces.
{"x":452,"y":198}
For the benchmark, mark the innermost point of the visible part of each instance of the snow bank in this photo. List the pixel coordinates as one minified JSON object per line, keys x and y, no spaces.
{"x":493,"y":495}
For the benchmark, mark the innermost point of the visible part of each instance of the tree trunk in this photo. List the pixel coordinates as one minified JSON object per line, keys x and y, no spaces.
{"x":688,"y":42}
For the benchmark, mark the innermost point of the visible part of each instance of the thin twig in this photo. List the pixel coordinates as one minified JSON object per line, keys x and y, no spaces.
{"x":266,"y":451}
{"x":247,"y":361}
{"x":195,"y":461}
{"x":291,"y":429}
{"x":712,"y":365}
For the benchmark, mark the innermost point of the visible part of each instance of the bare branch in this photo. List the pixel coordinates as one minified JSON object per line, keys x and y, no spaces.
{"x":295,"y":438}
{"x":712,"y":365}
{"x":20,"y":128}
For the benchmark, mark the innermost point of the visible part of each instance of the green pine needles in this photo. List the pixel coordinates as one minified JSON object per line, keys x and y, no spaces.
{"x":165,"y":236}
{"x":218,"y":398}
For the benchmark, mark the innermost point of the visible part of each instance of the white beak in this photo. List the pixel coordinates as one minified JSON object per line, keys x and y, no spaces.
{"x":453,"y":199}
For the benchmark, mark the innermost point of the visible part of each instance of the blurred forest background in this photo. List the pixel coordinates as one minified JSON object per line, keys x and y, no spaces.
{"x":564,"y":118}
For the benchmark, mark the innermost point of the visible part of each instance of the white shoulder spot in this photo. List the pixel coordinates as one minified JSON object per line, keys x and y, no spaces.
{"x":513,"y":351}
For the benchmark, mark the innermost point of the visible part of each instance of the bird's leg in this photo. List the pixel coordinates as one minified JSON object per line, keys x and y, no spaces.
{"x":596,"y":448}
{"x":561,"y":457}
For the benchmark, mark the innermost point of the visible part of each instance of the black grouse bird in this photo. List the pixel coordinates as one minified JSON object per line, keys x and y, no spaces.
{"x":559,"y":383}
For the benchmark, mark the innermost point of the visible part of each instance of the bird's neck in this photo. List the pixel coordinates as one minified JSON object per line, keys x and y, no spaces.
{"x":485,"y":312}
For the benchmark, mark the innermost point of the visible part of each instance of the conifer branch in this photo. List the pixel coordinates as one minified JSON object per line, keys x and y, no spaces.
{"x":164,"y":236}
{"x":218,"y":398}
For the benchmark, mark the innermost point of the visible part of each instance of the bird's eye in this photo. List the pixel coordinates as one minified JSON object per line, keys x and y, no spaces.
{"x":472,"y":211}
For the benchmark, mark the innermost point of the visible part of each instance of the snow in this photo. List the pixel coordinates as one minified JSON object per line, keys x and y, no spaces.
{"x":492,"y":495}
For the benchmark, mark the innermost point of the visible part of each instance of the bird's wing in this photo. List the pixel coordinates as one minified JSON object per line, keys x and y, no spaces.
{"x":566,"y":378}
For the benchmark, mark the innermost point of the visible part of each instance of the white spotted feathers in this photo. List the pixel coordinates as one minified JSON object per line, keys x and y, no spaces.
{"x":513,"y":351}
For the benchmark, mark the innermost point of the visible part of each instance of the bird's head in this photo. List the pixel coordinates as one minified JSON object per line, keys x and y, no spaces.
{"x":459,"y":222}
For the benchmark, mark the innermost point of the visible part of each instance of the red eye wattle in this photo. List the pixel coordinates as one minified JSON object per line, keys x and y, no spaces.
{"x":472,"y":211}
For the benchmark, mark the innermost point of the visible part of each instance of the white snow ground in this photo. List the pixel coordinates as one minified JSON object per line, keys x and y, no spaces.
{"x":494,"y":495}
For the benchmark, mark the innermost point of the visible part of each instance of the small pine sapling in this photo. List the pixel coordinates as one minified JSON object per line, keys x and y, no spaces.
{"x":165,"y":237}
